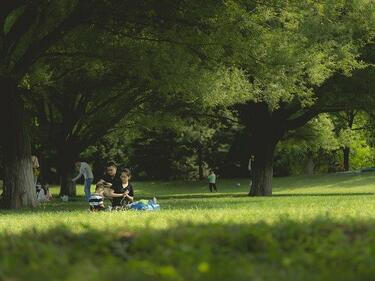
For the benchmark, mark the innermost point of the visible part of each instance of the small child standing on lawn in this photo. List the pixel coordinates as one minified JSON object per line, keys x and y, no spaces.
{"x":96,"y":200}
{"x":212,"y":181}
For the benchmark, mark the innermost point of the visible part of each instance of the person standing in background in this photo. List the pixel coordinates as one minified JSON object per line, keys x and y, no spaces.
{"x":35,"y":166}
{"x":212,"y":181}
{"x":86,"y":172}
{"x":250,"y":168}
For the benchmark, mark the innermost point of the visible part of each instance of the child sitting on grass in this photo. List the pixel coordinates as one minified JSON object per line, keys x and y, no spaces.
{"x":96,"y":200}
{"x":42,"y":193}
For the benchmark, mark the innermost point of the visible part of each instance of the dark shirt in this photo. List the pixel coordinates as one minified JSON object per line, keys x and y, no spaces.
{"x":115,"y":181}
{"x":116,"y":201}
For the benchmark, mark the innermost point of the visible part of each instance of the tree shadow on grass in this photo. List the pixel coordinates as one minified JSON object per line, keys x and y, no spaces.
{"x":245,"y":195}
{"x":146,"y":253}
{"x":56,"y":205}
{"x":203,"y":196}
{"x":322,"y":194}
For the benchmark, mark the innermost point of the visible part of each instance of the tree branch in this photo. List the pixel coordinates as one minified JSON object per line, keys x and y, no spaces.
{"x":20,"y":27}
{"x":93,"y":135}
{"x":302,"y":119}
{"x":36,"y":49}
{"x":7,"y":6}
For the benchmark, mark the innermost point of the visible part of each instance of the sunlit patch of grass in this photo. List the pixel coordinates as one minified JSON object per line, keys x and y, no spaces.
{"x":339,"y":197}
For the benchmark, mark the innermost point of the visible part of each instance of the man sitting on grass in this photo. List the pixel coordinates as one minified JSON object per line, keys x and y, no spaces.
{"x":120,"y":189}
{"x":111,"y":180}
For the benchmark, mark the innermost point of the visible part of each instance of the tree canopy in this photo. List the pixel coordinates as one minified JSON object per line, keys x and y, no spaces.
{"x":78,"y":71}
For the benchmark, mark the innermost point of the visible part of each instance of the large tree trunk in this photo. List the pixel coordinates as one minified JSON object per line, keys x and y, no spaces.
{"x":66,"y":171}
{"x":19,"y":189}
{"x":67,"y":187}
{"x":265,"y":128}
{"x":263,"y":168}
{"x":346,"y":158}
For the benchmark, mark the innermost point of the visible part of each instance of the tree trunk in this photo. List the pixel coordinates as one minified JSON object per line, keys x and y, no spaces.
{"x":67,"y":187}
{"x":263,"y":169}
{"x":66,"y":171}
{"x":19,"y":189}
{"x":200,"y":164}
{"x":350,"y":116}
{"x":346,"y":158}
{"x":310,"y":165}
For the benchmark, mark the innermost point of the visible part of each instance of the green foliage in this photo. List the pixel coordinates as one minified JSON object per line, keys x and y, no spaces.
{"x":362,"y":155}
{"x":320,"y":135}
{"x":323,"y":140}
{"x":315,"y":141}
{"x":280,"y":52}
{"x":184,"y":147}
{"x":353,"y":130}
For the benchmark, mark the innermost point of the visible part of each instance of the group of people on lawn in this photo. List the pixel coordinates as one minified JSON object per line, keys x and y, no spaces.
{"x":114,"y":185}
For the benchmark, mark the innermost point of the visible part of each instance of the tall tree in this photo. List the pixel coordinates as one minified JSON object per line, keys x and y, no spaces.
{"x":80,"y":108}
{"x":285,"y":54}
{"x":344,"y":121}
{"x":305,"y":147}
{"x":27,"y":30}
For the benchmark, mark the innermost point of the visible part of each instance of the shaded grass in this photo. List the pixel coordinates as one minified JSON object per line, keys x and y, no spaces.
{"x":318,"y":250}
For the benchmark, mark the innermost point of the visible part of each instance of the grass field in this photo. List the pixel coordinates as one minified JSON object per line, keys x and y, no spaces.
{"x":313,"y":228}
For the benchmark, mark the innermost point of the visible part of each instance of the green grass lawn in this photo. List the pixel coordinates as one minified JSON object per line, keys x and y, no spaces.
{"x":313,"y":228}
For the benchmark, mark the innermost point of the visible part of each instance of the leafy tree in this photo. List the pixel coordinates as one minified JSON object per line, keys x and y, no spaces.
{"x":305,"y":147}
{"x":282,"y":56}
{"x":344,"y":122}
{"x":353,"y":129}
{"x":27,"y":30}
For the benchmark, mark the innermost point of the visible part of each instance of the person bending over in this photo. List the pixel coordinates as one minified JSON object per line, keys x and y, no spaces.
{"x":86,"y":172}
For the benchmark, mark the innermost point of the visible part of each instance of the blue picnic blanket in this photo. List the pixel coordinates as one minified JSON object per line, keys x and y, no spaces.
{"x":144,"y":205}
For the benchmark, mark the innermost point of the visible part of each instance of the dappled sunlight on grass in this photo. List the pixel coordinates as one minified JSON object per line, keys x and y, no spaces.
{"x":326,"y":183}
